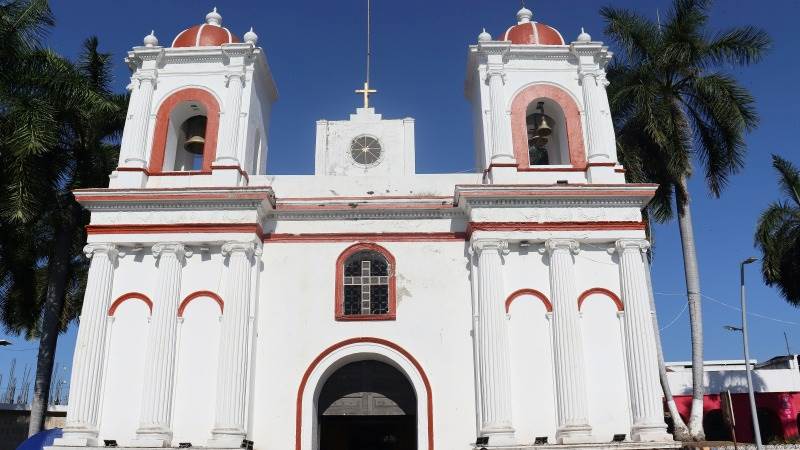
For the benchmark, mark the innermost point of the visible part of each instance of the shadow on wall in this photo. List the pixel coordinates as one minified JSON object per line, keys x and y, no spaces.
{"x":734,"y":381}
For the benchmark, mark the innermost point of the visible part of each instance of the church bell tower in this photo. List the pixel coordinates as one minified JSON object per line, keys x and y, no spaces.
{"x":540,"y":105}
{"x":199,"y":107}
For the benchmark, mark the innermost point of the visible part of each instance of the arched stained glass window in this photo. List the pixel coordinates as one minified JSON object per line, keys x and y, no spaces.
{"x":366,"y":284}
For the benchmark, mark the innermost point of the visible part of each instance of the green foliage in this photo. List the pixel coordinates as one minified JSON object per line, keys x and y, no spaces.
{"x":672,"y":104}
{"x":778,"y":234}
{"x":60,"y":125}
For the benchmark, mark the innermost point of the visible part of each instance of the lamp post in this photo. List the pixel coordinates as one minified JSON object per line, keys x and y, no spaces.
{"x":753,"y":411}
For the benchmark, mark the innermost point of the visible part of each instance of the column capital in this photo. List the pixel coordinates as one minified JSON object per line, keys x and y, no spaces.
{"x":623,"y":245}
{"x":498,"y":245}
{"x":248,"y":248}
{"x":495,"y":70}
{"x":235,"y":76}
{"x":142,"y":77}
{"x":177,"y":248}
{"x":109,"y":249}
{"x":570,"y":245}
{"x":586,"y":74}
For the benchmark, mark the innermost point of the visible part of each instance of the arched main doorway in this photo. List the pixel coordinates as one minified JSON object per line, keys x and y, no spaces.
{"x":367,"y":405}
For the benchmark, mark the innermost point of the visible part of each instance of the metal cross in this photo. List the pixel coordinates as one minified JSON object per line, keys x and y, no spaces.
{"x":366,"y":91}
{"x":366,"y":281}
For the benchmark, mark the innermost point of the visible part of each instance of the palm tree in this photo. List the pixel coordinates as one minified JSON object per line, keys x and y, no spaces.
{"x":58,"y":128}
{"x":675,"y":108}
{"x":778,"y":234}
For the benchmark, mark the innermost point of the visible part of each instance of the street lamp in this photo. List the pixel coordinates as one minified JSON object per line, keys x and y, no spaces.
{"x":4,"y":342}
{"x":753,"y":411}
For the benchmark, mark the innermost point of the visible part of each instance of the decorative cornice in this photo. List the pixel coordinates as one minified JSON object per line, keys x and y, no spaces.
{"x":372,"y":237}
{"x":168,"y":199}
{"x":139,"y":55}
{"x":553,"y":226}
{"x":176,"y":228}
{"x":550,"y":195}
{"x":367,"y":213}
{"x":494,"y":47}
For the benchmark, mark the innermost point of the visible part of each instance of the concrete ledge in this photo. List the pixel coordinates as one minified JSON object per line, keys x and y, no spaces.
{"x":594,"y":446}
{"x":55,"y":447}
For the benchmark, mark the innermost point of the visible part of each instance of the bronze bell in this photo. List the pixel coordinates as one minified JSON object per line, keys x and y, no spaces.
{"x":544,"y":129}
{"x":195,"y":131}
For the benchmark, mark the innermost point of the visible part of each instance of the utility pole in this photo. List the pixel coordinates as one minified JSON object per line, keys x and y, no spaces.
{"x":753,"y":410}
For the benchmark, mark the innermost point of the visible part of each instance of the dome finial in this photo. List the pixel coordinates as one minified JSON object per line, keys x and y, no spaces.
{"x":484,"y":36}
{"x":584,"y":36}
{"x":214,"y":18}
{"x":251,"y":37}
{"x":524,"y":15}
{"x":151,"y":40}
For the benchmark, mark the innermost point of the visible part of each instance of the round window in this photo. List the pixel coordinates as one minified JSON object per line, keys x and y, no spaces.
{"x":366,"y":150}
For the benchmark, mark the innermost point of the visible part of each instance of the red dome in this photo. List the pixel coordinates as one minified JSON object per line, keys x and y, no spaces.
{"x":209,"y":34}
{"x":205,"y":35}
{"x":532,"y":33}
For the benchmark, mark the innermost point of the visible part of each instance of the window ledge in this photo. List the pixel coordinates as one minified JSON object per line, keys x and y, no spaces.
{"x":366,"y":317}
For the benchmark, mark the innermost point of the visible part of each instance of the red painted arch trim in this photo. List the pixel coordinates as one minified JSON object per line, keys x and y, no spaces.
{"x":360,"y":340}
{"x":532,"y":292}
{"x":162,"y":127}
{"x":519,"y":128}
{"x":339,"y":295}
{"x":130,"y":296}
{"x":200,"y":294}
{"x":601,"y":291}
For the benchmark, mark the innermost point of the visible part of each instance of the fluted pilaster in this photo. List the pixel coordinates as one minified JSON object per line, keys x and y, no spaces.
{"x":596,"y":107}
{"x":159,"y":369}
{"x":229,"y":425}
{"x":138,"y":121}
{"x":573,"y":414}
{"x":87,"y":366}
{"x":229,"y":143}
{"x":501,"y":152}
{"x":640,"y":344}
{"x":493,"y":349}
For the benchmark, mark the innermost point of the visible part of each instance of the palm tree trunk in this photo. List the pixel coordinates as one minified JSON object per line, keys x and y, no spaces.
{"x":58,"y":271}
{"x":680,"y":430}
{"x":695,"y":313}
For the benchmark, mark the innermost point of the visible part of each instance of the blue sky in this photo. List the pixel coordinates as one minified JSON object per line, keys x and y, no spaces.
{"x":315,"y":49}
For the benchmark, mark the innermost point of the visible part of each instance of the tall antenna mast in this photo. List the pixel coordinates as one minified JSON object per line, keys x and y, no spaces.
{"x":369,"y":35}
{"x":786,"y":338}
{"x":366,"y":91}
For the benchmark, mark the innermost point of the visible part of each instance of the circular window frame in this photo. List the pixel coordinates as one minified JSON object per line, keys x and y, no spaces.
{"x":372,"y":164}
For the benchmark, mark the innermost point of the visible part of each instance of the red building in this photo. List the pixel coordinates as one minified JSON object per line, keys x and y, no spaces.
{"x":776,"y":383}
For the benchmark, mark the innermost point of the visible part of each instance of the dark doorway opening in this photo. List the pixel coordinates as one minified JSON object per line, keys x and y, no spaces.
{"x":367,"y":405}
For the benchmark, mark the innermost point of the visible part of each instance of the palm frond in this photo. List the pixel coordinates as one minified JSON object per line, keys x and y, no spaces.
{"x":789,"y":180}
{"x":637,"y":35}
{"x":741,"y":46}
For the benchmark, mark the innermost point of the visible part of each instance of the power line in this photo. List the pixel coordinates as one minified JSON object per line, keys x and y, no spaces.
{"x":675,"y":320}
{"x":732,"y":307}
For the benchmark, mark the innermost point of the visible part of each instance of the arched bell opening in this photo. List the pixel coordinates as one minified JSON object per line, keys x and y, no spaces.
{"x":547,"y":133}
{"x":367,"y":404}
{"x":186,"y":137}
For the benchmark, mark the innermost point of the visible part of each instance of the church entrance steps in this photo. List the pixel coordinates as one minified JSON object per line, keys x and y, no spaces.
{"x":592,"y":446}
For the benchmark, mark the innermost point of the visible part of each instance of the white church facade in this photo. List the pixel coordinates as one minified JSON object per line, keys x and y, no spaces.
{"x":367,"y":306}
